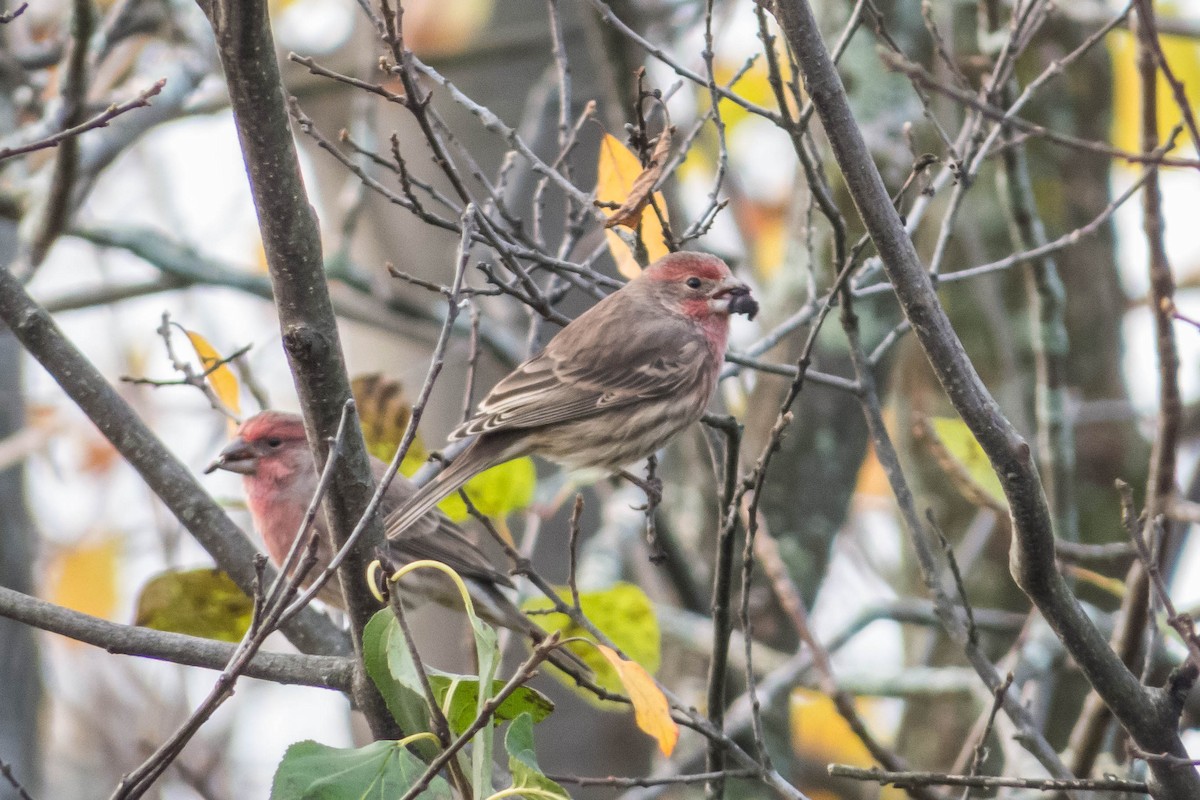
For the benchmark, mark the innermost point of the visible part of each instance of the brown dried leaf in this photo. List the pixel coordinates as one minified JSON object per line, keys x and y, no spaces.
{"x":630,"y":212}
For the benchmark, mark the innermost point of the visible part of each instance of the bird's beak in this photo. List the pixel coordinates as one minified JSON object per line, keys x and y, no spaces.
{"x":238,"y":456}
{"x":733,"y":297}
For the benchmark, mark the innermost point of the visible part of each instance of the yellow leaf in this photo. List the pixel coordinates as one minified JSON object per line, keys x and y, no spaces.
{"x":819,"y":732}
{"x":631,"y":210}
{"x":496,"y":492}
{"x":616,"y":173}
{"x":384,"y":411}
{"x":872,"y":481}
{"x":754,"y":86}
{"x":623,"y":612}
{"x":822,"y":734}
{"x":650,"y":708}
{"x":627,"y":262}
{"x":221,"y":379}
{"x":84,"y":577}
{"x":1182,"y":54}
{"x":198,"y":602}
{"x":958,"y":441}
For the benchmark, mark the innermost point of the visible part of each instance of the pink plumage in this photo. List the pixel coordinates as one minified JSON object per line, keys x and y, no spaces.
{"x":271,"y":453}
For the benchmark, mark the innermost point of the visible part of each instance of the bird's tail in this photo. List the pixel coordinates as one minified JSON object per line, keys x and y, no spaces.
{"x":479,"y":455}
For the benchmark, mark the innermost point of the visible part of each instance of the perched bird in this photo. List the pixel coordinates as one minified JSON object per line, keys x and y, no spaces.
{"x":271,"y":453}
{"x":611,"y":387}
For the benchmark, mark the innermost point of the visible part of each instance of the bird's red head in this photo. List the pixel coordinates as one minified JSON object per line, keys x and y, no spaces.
{"x":271,"y":439}
{"x":700,"y":286}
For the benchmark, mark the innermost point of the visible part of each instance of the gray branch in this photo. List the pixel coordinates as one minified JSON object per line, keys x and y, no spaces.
{"x":325,"y":672}
{"x":292,"y":243}
{"x":1144,"y":712}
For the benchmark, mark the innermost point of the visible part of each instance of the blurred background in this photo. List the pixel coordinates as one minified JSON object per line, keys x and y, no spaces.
{"x":162,"y":222}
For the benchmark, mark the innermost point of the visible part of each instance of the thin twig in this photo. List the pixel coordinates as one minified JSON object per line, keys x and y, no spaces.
{"x":101,"y":120}
{"x":907,"y":779}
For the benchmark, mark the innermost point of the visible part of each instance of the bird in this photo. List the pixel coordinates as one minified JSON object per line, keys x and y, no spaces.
{"x":271,"y":453}
{"x":611,"y":387}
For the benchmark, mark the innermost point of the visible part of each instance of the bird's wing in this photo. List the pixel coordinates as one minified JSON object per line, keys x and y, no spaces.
{"x":575,"y":378}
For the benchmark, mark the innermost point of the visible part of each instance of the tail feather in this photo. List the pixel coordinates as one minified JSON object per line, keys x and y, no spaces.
{"x":475,"y":459}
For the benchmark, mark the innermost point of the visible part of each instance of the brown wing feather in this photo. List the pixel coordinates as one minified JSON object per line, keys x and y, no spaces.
{"x":592,"y":365}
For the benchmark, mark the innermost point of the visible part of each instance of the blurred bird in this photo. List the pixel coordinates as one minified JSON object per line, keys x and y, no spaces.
{"x":271,"y":453}
{"x":611,"y":387}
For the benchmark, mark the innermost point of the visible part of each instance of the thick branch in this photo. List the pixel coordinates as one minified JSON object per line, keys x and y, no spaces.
{"x":326,"y":672}
{"x":292,"y":243}
{"x":1140,"y":710}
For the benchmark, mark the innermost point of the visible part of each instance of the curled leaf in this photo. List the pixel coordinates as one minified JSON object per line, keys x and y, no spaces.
{"x":630,"y":212}
{"x":616,"y":172}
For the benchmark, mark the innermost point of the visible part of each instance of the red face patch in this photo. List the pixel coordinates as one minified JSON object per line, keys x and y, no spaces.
{"x":278,"y":424}
{"x":680,"y":266}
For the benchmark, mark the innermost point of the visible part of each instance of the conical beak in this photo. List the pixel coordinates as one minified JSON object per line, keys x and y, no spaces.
{"x":737,"y":297}
{"x":238,"y":456}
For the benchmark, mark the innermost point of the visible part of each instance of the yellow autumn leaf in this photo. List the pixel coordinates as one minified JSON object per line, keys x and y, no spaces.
{"x":650,"y":708}
{"x":820,"y":733}
{"x":384,"y":412}
{"x":84,"y":577}
{"x":1182,"y":54}
{"x":496,"y":492}
{"x":616,"y":172}
{"x":960,"y":443}
{"x":221,"y":379}
{"x":754,"y":86}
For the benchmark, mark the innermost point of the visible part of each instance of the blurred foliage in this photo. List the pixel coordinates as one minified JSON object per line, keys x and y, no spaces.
{"x":83,"y":576}
{"x":198,"y":602}
{"x":622,"y":612}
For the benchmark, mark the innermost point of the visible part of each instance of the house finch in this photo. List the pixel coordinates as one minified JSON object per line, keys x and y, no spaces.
{"x":612,"y":386}
{"x":280,"y":479}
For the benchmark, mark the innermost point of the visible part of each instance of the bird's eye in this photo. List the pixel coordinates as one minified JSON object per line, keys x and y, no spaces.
{"x":693,"y":283}
{"x":274,"y":441}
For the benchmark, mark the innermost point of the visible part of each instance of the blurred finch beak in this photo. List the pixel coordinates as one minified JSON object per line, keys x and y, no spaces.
{"x":236,"y":457}
{"x":734,"y":297}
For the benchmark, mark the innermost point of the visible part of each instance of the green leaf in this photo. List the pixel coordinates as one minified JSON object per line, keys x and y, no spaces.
{"x":522,"y":760}
{"x":464,"y":702}
{"x":380,"y":771}
{"x":391,"y":668}
{"x":406,"y":703}
{"x":198,"y":602}
{"x":623,"y":613}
